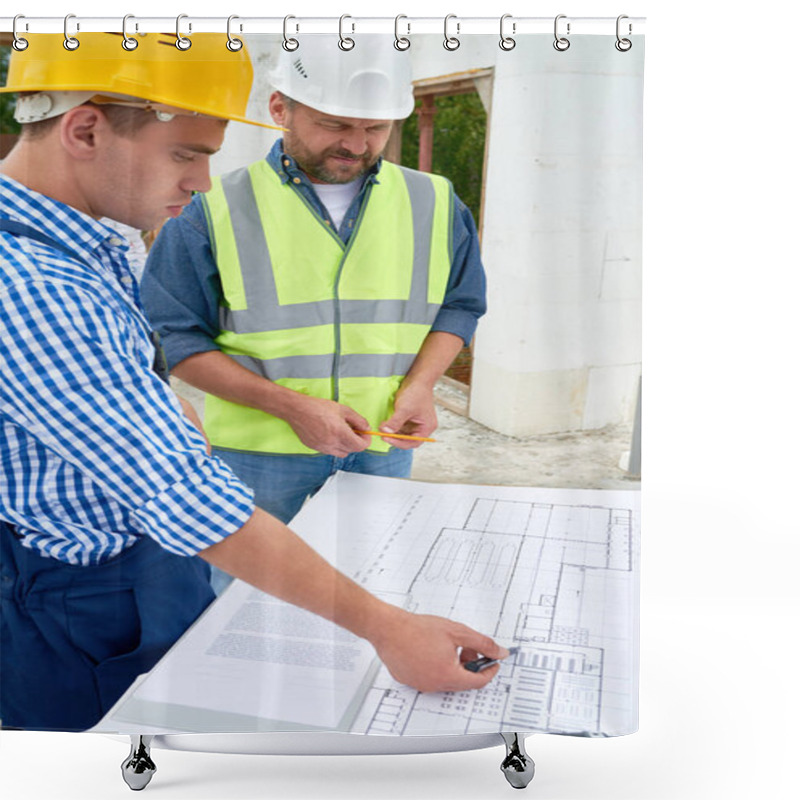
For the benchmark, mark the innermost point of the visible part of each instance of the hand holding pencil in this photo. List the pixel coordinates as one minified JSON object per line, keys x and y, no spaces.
{"x":413,"y":420}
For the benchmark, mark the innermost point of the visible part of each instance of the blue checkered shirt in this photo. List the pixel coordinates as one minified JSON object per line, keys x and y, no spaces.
{"x":94,"y":449}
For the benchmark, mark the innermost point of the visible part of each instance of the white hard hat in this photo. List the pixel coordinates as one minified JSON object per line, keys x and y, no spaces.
{"x":370,"y":81}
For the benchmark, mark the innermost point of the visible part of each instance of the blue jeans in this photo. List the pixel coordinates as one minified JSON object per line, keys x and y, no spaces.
{"x":282,"y":483}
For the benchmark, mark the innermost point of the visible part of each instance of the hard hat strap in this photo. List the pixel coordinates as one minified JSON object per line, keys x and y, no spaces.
{"x":46,"y":105}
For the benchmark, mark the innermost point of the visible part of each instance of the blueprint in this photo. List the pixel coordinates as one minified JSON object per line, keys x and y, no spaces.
{"x":553,"y":572}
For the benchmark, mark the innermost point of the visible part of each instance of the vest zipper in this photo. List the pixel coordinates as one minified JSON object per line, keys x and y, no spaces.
{"x":337,"y":315}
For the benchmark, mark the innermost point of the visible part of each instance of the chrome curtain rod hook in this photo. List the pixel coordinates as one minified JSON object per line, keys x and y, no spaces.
{"x":451,"y":42}
{"x":623,"y":45}
{"x":289,"y":44}
{"x":128,"y":42}
{"x":70,"y":42}
{"x":233,"y":44}
{"x":181,"y":42}
{"x":19,"y":44}
{"x":561,"y":43}
{"x":507,"y":42}
{"x":401,"y":42}
{"x":345,"y":42}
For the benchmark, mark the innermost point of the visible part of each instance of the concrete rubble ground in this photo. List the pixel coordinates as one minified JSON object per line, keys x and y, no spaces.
{"x":468,"y":452}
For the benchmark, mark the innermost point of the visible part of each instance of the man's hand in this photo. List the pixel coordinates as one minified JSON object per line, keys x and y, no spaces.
{"x":327,"y":426}
{"x":428,"y":652}
{"x":414,"y":415}
{"x":414,"y":410}
{"x":422,"y":651}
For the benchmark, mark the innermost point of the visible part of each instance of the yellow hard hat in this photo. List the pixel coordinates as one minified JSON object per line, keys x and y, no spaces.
{"x":207,"y":78}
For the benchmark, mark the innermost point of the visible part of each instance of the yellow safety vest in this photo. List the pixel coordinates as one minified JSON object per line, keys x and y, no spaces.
{"x":301,"y":308}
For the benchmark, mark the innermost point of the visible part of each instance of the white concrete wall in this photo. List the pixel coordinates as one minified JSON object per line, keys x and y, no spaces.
{"x":560,"y":348}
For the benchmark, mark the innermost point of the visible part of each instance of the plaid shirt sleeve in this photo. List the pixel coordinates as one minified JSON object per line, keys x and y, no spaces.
{"x":96,"y":448}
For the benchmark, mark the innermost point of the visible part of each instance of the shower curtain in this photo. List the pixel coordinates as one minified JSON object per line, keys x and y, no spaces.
{"x":521,"y":517}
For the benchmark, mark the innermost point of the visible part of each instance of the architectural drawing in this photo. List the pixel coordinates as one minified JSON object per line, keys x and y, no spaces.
{"x":555,"y":579}
{"x":553,"y":572}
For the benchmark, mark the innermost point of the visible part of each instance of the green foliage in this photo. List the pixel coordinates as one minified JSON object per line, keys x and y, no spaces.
{"x":7,"y":122}
{"x":459,"y":135}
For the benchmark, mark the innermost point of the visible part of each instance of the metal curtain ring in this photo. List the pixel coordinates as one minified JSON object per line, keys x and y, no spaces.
{"x":128,"y":42}
{"x":233,"y":44}
{"x":507,"y":42}
{"x":561,"y":43}
{"x":345,"y":42}
{"x":451,"y":42}
{"x":401,"y":42}
{"x":623,"y":45}
{"x":19,"y":44}
{"x":181,"y":42}
{"x":290,"y":45}
{"x":70,"y":42}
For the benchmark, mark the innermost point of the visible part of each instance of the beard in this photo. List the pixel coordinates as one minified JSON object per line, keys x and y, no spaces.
{"x":321,"y":167}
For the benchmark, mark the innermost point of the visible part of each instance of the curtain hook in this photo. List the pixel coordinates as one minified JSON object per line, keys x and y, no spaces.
{"x":233,"y":44}
{"x":451,"y":42}
{"x":507,"y":42}
{"x":288,"y":44}
{"x":623,"y":45}
{"x":561,"y":43}
{"x":19,"y":44}
{"x":181,"y":42}
{"x":345,"y":42}
{"x":128,"y":42}
{"x":401,"y":42}
{"x":70,"y":42}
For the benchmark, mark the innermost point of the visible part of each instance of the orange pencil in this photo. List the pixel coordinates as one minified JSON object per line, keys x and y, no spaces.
{"x":398,"y":436}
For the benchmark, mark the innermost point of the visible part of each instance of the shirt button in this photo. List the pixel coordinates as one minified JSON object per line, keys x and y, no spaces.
{"x":295,"y":180}
{"x":286,"y":162}
{"x":115,"y":242}
{"x":327,"y":222}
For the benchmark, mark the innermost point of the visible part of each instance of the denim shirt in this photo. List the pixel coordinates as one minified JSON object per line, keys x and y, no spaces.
{"x":181,"y":288}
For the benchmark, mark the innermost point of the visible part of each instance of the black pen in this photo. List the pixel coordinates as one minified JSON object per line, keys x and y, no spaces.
{"x":480,"y":664}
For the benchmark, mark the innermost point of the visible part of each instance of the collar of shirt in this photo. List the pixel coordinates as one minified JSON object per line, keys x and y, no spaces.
{"x":289,"y":171}
{"x":95,"y":243}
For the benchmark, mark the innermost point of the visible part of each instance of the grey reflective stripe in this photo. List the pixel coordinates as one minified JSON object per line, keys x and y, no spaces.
{"x":251,"y":245}
{"x":308,"y":367}
{"x":423,"y":204}
{"x":321,"y":313}
{"x":288,"y":367}
{"x":264,"y":312}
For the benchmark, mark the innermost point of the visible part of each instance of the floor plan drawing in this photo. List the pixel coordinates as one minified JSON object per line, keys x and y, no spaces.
{"x":555,"y":579}
{"x":553,"y":572}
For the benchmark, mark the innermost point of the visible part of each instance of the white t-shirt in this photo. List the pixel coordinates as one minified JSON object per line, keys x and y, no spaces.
{"x":137,"y":255}
{"x":336,"y":197}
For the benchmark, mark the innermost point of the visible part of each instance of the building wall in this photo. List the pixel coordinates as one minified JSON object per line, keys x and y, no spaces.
{"x":560,"y":348}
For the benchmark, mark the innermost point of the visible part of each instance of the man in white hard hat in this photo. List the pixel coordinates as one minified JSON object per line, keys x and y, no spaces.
{"x":107,"y":492}
{"x":328,"y":290}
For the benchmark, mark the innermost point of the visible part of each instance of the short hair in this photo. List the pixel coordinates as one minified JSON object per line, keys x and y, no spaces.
{"x":289,"y":102}
{"x":124,"y":121}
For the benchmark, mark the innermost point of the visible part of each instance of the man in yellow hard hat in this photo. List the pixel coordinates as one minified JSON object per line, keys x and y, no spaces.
{"x":107,"y":492}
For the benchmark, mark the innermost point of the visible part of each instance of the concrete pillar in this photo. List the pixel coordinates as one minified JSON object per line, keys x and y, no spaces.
{"x":560,"y":348}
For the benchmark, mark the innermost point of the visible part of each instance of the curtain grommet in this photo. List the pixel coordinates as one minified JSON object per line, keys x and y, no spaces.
{"x":451,"y":43}
{"x":561,"y":43}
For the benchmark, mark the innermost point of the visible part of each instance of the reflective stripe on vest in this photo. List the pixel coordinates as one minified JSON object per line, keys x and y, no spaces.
{"x":342,"y":322}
